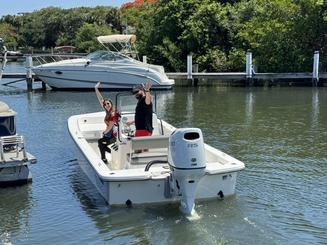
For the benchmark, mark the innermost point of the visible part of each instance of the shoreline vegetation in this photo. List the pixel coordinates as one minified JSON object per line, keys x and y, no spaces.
{"x":281,"y":34}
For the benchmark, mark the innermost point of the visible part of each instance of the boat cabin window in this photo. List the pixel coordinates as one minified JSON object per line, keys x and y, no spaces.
{"x":7,"y":126}
{"x":104,"y":55}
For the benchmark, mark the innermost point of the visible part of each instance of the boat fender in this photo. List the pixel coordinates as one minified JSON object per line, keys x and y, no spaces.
{"x":128,"y":203}
{"x":220,"y":194}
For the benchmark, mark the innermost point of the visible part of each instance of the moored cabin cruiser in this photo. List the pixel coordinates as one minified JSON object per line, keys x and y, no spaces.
{"x":14,"y":160}
{"x":177,"y":166}
{"x":115,"y":68}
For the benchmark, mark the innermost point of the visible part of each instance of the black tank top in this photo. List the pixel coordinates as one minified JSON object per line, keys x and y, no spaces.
{"x":143,"y":115}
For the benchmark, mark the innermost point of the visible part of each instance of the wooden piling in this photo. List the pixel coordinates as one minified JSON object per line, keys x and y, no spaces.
{"x":189,"y":69}
{"x":315,"y":71}
{"x":44,"y":87}
{"x":196,"y":70}
{"x":29,"y":76}
{"x":249,"y":68}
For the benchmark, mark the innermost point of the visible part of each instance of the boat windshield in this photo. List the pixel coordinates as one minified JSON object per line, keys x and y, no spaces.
{"x":126,"y":102}
{"x":104,"y":55}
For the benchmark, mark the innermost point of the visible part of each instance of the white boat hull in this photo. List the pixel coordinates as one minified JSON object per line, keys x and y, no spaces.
{"x":153,"y":190}
{"x":15,"y":175}
{"x":73,"y":74}
{"x":16,"y":171}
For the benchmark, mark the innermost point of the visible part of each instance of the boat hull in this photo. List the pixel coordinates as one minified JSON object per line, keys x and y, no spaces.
{"x":15,"y":175}
{"x":154,"y":190}
{"x":111,"y":77}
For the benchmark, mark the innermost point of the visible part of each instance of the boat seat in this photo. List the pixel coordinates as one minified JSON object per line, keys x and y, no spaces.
{"x":156,"y":146}
{"x":144,"y":158}
{"x":16,"y":142}
{"x":91,"y":130}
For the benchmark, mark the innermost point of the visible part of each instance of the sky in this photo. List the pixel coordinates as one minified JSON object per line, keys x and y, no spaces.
{"x":13,"y":7}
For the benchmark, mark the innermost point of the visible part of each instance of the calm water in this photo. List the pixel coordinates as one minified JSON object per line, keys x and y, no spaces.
{"x":280,"y":134}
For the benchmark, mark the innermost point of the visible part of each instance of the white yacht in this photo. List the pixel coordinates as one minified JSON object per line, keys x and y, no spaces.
{"x":177,"y":166}
{"x":114,"y":68}
{"x":14,"y":159}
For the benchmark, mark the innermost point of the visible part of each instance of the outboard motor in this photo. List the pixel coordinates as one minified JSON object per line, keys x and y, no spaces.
{"x":187,"y":162}
{"x":7,"y":120}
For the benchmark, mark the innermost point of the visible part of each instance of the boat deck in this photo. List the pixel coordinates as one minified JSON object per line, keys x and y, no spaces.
{"x":12,"y":159}
{"x":138,"y":160}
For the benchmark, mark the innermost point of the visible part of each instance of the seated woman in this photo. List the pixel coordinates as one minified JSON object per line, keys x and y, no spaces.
{"x":109,"y":136}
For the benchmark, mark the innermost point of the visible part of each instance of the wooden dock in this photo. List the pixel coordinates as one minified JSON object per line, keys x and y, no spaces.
{"x":13,"y":58}
{"x":242,"y":75}
{"x":14,"y":75}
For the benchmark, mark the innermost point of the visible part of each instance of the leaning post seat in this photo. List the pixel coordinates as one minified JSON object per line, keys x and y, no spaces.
{"x":149,"y":143}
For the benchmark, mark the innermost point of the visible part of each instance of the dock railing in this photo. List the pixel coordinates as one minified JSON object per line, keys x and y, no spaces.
{"x":41,"y":59}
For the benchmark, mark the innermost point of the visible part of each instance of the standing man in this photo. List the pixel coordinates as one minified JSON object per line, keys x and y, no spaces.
{"x":143,"y":110}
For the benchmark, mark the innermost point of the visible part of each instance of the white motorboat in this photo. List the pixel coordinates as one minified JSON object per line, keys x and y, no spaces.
{"x":14,"y":159}
{"x":177,"y":165}
{"x":114,"y":68}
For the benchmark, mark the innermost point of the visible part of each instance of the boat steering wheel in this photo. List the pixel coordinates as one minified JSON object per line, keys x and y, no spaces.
{"x":127,"y":128}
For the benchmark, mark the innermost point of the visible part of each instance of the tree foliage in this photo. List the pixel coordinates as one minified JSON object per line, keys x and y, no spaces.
{"x":282,"y":34}
{"x":8,"y":33}
{"x":86,"y":37}
{"x":53,"y":26}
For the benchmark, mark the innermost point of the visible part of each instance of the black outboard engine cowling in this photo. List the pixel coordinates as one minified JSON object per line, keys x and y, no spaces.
{"x":7,"y":120}
{"x":186,"y":159}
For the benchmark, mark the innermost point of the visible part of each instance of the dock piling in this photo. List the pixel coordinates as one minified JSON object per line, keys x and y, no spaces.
{"x":189,"y":69}
{"x":249,"y":68}
{"x":315,"y":72}
{"x":144,"y":59}
{"x":195,"y":68}
{"x":29,"y":76}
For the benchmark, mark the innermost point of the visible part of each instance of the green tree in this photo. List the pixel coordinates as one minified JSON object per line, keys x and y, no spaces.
{"x":31,"y":33}
{"x":282,"y":34}
{"x":85,"y":40}
{"x":8,"y":34}
{"x":170,"y":30}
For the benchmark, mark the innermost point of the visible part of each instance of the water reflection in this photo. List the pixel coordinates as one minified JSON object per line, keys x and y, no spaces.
{"x":249,"y":103}
{"x":15,"y":207}
{"x":114,"y":224}
{"x":189,"y":108}
{"x":315,"y":108}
